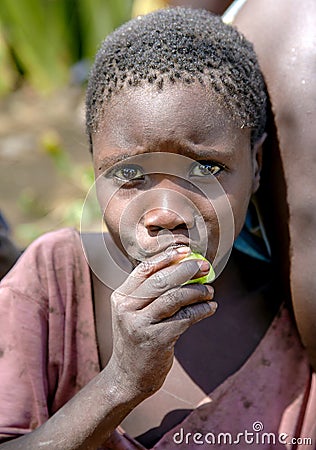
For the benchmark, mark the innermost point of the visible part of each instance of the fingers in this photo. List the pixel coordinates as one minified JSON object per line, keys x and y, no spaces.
{"x":171,"y":328}
{"x":151,"y":310}
{"x":147,"y":268}
{"x":168,"y":278}
{"x":172,"y":301}
{"x":180,"y":308}
{"x":192,"y":314}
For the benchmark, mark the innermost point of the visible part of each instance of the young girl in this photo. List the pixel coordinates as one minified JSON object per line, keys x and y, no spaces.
{"x":175,"y":116}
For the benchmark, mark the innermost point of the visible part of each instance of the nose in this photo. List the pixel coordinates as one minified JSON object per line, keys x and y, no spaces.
{"x":168,"y":207}
{"x":158,"y":219}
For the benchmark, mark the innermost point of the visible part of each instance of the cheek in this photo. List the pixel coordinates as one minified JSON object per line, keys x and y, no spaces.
{"x":123,"y":211}
{"x":214,"y":233}
{"x":239,"y":202}
{"x":112,"y":212}
{"x":209,"y":214}
{"x":111,"y":217}
{"x":113,"y":201}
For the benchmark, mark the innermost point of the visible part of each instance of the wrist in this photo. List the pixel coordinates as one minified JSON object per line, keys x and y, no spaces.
{"x":123,"y":388}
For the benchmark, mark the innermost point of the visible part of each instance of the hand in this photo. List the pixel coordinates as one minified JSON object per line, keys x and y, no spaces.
{"x":149,"y":312}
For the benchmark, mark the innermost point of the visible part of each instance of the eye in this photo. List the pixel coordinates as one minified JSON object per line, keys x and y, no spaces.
{"x":205,"y":168}
{"x":127,"y":173}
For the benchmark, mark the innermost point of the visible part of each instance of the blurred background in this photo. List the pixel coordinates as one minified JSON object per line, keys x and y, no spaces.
{"x":46,"y":50}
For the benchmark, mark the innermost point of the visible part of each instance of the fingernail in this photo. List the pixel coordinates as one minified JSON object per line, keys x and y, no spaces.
{"x":213,"y":305}
{"x":209,"y":289}
{"x":183,"y":250}
{"x":204,"y":266}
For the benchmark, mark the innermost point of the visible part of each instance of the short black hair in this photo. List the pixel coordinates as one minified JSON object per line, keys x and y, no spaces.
{"x":180,"y":45}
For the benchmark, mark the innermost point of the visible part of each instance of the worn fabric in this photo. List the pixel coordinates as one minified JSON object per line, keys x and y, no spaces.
{"x":48,"y":352}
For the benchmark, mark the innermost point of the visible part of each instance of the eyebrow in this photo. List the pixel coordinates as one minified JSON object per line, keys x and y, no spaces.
{"x":108,"y":161}
{"x":196,"y":154}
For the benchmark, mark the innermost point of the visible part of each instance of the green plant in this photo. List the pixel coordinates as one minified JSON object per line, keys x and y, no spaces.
{"x":36,"y":33}
{"x":46,"y":37}
{"x":81,"y":177}
{"x":64,"y":211}
{"x":97,"y":19}
{"x":7,"y":74}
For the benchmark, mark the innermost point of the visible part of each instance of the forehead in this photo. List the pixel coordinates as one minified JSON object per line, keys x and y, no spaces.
{"x":146,"y":117}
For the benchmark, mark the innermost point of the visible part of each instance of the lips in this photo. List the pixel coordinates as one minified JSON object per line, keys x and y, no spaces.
{"x":165,"y":246}
{"x":147,"y":246}
{"x":194,"y":246}
{"x":177,"y":245}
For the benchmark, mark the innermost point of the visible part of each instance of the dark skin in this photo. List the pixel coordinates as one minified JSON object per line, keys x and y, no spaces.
{"x":147,"y":121}
{"x":283,"y":34}
{"x":245,"y":310}
{"x":149,"y":312}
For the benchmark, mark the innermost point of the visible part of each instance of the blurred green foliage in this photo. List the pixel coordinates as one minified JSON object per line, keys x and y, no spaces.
{"x":50,"y":44}
{"x":40,"y":40}
{"x":65,"y":212}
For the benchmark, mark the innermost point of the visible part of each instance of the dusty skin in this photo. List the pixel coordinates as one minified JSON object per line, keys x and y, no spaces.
{"x":149,"y":311}
{"x":152,"y":316}
{"x":284,"y":37}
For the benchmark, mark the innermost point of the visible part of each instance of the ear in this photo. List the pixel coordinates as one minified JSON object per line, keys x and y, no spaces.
{"x":257,"y":162}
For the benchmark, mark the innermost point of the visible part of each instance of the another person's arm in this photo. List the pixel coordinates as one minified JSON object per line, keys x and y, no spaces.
{"x":284,"y":37}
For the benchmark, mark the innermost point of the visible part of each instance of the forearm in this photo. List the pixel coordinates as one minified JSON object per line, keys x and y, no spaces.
{"x":87,"y":420}
{"x":284,"y":37}
{"x":295,"y":116}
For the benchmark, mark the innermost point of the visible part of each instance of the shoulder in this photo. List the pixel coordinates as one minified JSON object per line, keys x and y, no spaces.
{"x":64,"y":238}
{"x":52,"y":259}
{"x":55,"y":248}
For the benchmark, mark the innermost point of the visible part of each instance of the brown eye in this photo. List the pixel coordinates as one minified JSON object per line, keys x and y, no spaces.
{"x":128,"y":173}
{"x":205,"y":168}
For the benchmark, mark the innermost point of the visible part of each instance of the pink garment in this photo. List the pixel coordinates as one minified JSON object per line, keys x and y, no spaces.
{"x":48,"y":352}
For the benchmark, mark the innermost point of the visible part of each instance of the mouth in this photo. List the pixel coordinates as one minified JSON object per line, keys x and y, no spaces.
{"x":177,"y":245}
{"x":193,"y":245}
{"x":165,"y":241}
{"x":167,"y":248}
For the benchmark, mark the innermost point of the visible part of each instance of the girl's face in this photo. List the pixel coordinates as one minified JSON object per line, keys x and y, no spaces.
{"x":164,"y":162}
